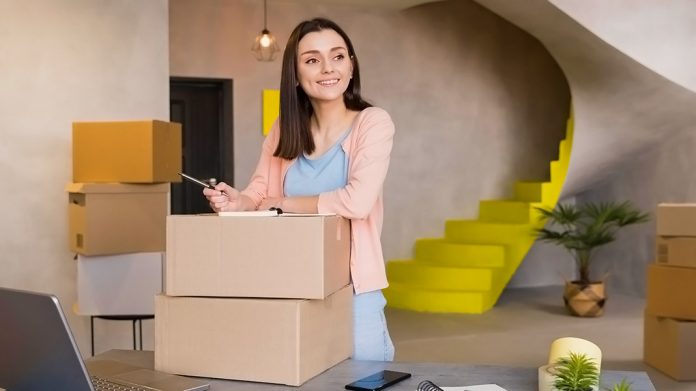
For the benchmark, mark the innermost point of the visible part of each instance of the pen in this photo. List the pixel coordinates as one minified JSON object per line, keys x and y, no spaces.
{"x":204,"y":184}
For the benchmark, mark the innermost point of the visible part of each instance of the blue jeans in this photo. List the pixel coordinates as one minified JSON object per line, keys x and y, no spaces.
{"x":371,"y":339}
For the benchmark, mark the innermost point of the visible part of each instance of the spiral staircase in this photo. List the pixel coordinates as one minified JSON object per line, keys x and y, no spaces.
{"x":626,"y":101}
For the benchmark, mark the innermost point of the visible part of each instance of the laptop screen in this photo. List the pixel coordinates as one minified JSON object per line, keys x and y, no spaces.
{"x":38,"y":350}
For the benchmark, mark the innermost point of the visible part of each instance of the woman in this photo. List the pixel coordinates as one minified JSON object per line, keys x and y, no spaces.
{"x":328,"y":153}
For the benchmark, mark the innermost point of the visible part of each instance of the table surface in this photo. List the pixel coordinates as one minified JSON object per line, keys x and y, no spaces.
{"x":444,"y":375}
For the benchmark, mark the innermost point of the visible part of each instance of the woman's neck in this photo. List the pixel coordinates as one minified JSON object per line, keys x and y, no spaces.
{"x":330,"y":118}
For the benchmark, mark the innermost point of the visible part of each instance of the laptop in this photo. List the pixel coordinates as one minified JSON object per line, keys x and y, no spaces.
{"x":38,"y":352}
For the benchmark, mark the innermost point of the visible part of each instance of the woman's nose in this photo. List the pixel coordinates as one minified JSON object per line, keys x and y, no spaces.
{"x":326,"y":67}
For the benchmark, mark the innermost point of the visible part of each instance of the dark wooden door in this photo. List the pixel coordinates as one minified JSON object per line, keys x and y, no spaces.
{"x":203,"y":107}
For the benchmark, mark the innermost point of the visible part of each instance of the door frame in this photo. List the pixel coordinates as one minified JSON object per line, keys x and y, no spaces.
{"x":226,"y":142}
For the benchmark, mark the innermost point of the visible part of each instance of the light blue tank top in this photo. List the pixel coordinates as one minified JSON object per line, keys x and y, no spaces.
{"x":309,"y":177}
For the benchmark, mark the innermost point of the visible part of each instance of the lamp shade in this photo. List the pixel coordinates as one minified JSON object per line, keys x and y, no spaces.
{"x":265,"y":46}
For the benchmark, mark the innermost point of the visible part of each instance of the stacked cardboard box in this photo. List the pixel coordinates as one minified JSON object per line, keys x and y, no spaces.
{"x":117,"y":206}
{"x":670,"y":316}
{"x":263,"y":299}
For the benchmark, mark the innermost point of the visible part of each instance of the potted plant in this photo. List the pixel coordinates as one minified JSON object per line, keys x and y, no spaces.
{"x":624,"y":385}
{"x":581,"y":229}
{"x":577,"y":372}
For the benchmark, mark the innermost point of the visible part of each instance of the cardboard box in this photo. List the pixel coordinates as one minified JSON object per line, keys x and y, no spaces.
{"x":277,"y":257}
{"x":671,"y":291}
{"x":119,"y":284}
{"x":117,"y":218}
{"x":669,"y":345}
{"x":676,"y":251}
{"x":676,"y":219}
{"x":285,"y":341}
{"x":126,"y":151}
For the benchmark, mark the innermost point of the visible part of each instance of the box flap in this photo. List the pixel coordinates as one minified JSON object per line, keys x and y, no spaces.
{"x":111,"y":188}
{"x":90,"y":123}
{"x":676,"y":205}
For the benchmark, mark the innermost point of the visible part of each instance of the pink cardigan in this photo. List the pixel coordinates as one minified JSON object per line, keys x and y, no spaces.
{"x":368,"y":147}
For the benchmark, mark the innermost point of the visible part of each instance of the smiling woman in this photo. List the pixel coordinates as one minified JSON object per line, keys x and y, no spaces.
{"x":328,"y":153}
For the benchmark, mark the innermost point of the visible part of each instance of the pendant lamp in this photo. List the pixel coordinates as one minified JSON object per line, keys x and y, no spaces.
{"x":265,"y":46}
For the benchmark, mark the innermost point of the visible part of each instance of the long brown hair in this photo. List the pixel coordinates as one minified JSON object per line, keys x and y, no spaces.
{"x":295,"y":107}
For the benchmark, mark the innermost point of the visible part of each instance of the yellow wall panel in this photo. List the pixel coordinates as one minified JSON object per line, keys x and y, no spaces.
{"x":271,"y":109}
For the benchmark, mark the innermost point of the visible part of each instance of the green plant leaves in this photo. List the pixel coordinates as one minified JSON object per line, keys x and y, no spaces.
{"x":580,"y":229}
{"x":624,"y":385}
{"x":577,"y":372}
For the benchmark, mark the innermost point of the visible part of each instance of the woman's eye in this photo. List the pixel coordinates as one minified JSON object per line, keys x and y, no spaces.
{"x":339,"y":57}
{"x":311,"y":61}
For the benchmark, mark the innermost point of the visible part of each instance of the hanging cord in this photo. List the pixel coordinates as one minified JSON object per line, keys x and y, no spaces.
{"x":265,"y":20}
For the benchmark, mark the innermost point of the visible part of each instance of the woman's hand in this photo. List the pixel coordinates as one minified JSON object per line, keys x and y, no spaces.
{"x":224,"y":198}
{"x":273,"y":202}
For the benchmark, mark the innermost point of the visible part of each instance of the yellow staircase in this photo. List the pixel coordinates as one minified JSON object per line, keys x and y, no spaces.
{"x":467,"y":270}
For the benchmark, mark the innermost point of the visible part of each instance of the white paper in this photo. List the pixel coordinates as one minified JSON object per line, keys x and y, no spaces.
{"x":261,"y":213}
{"x":249,"y":213}
{"x":290,"y":214}
{"x":480,"y":387}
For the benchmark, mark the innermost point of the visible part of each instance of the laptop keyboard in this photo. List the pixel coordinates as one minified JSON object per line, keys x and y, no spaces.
{"x":101,"y":384}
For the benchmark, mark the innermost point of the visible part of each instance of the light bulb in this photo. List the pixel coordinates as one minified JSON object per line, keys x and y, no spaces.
{"x":265,"y":41}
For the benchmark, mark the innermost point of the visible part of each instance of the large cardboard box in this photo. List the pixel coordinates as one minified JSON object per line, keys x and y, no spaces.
{"x":286,"y":256}
{"x":119,"y":284}
{"x":285,"y":341}
{"x":676,"y":219}
{"x":676,"y":251}
{"x":117,"y":218}
{"x":671,"y":291}
{"x":669,"y":345}
{"x":126,"y":151}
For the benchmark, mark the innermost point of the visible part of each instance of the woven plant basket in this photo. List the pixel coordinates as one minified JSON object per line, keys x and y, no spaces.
{"x":585,"y":300}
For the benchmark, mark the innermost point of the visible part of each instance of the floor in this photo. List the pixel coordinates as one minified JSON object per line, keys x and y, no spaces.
{"x":519,"y":330}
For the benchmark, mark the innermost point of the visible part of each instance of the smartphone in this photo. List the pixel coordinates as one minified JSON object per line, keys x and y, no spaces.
{"x":197,"y":181}
{"x":378,"y":381}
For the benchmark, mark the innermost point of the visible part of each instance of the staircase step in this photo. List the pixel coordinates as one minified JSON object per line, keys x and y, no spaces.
{"x":466,"y":271}
{"x":478,"y":232}
{"x":420,"y":275}
{"x":425,"y":300}
{"x":508,"y":211}
{"x":558,"y":172}
{"x":531,"y":191}
{"x":564,"y":149}
{"x":440,"y":252}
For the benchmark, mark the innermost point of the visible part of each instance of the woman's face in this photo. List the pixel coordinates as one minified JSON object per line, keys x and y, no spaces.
{"x":324,"y":67}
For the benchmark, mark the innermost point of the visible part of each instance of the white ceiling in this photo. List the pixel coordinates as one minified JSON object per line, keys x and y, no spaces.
{"x":381,"y":4}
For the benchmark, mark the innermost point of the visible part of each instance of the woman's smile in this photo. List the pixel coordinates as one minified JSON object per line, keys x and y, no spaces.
{"x":328,"y":83}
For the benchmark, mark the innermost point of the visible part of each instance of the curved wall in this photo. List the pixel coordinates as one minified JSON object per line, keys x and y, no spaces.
{"x":634,"y":108}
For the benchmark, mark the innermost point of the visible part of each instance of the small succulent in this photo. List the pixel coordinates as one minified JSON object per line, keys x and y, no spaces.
{"x":577,"y":372}
{"x":624,"y":385}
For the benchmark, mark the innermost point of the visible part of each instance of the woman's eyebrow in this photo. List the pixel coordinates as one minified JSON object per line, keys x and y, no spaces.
{"x":317,"y":51}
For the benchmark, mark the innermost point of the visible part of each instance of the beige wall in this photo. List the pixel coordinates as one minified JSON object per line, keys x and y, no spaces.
{"x":61,"y":62}
{"x":477,"y":102}
{"x":663,"y":174}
